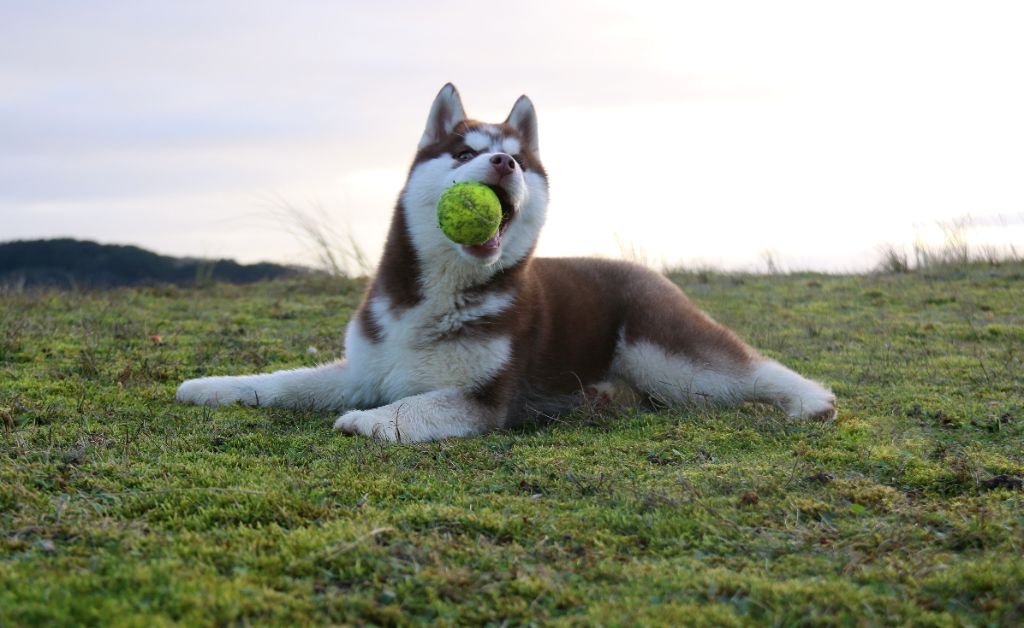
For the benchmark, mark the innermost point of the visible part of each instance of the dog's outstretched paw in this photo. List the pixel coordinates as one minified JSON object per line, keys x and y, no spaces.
{"x":376,"y":424}
{"x":215,"y":391}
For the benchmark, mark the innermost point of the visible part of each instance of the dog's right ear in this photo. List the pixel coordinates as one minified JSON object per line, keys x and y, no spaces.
{"x":524,"y":119}
{"x":445,"y":113}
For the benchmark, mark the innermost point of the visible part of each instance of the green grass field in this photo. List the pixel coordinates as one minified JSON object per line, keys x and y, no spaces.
{"x":118,"y":507}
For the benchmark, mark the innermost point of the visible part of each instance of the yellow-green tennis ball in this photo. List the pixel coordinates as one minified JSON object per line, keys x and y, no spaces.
{"x":469,"y":213}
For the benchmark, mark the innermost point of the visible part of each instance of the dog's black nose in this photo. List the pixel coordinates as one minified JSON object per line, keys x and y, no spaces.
{"x":503,"y":164}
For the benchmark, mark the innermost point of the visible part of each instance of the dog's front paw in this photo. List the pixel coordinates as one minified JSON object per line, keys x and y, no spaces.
{"x":380,"y":424}
{"x":215,"y":391}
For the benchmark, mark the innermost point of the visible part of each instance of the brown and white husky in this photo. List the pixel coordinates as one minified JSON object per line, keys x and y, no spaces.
{"x":455,"y":340}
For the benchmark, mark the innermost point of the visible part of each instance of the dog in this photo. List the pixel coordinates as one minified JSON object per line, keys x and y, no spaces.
{"x":455,"y":340}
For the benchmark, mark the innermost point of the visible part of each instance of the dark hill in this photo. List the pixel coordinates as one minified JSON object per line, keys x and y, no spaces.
{"x":67,"y":263}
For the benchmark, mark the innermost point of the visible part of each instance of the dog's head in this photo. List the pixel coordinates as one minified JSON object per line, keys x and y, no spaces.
{"x":503,"y":156}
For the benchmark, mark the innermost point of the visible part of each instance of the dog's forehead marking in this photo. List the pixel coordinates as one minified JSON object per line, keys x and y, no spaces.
{"x":478,"y":140}
{"x":490,"y":138}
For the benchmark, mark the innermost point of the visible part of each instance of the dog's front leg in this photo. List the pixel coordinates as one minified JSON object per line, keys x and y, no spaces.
{"x":445,"y":413}
{"x":324,"y":387}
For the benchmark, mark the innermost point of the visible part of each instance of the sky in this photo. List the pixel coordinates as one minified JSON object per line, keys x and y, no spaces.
{"x":687,"y":133}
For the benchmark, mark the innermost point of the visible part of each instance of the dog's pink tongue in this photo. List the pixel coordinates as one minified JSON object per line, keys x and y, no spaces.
{"x":487,"y":248}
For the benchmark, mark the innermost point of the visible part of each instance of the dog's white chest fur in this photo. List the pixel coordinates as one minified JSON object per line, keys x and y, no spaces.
{"x":427,"y":347}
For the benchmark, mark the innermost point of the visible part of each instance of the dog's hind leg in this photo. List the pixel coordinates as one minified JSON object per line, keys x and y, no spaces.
{"x":672,"y":351}
{"x":324,"y":387}
{"x":674,"y":377}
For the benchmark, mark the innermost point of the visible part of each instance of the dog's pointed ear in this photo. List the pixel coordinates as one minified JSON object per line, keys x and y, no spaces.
{"x":445,"y":113}
{"x":523,"y":118}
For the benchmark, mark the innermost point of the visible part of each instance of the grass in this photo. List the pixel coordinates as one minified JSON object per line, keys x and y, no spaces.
{"x":119,"y":507}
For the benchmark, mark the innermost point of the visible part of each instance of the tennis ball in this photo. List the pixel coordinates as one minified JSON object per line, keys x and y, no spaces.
{"x":469,"y":213}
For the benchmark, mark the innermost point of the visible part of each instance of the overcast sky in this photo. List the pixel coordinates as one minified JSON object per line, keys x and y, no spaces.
{"x":697,"y":133}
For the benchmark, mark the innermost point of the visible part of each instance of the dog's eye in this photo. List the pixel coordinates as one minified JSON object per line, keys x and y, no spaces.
{"x":466,"y":155}
{"x":519,"y":160}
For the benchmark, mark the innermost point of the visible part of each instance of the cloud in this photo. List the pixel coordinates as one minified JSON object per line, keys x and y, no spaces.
{"x":793,"y":119}
{"x":116,"y":100}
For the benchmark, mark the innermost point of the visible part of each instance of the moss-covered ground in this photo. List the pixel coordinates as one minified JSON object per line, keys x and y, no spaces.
{"x":118,"y":507}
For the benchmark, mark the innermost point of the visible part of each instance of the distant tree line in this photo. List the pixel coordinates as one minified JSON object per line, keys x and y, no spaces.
{"x":70,"y":264}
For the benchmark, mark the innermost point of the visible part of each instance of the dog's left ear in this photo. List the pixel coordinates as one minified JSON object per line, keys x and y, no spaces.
{"x":524,"y":119}
{"x":445,"y":113}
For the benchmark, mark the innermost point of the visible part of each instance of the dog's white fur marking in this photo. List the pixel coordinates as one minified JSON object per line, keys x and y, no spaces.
{"x":510,"y":145}
{"x":471,"y":309}
{"x":479,"y":140}
{"x":422,"y":360}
